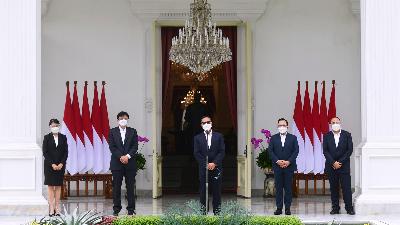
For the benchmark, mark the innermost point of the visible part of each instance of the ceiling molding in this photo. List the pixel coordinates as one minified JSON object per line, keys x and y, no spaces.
{"x":222,"y":10}
{"x":355,"y":7}
{"x":45,"y":7}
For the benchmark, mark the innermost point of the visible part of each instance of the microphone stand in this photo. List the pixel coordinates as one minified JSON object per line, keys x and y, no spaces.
{"x":208,"y":148}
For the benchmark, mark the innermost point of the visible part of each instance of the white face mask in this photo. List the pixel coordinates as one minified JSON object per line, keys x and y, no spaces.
{"x":336,"y":127}
{"x":207,"y":127}
{"x":282,"y":130}
{"x":123,"y":122}
{"x":54,"y":130}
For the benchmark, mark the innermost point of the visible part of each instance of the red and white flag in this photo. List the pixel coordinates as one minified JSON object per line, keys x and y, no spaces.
{"x":298,"y":130}
{"x":319,"y":159}
{"x":80,"y":147}
{"x":323,"y":115}
{"x":97,"y":133}
{"x":308,"y":140}
{"x":332,"y":103}
{"x":105,"y":130}
{"x":68,"y":129}
{"x":87,"y":130}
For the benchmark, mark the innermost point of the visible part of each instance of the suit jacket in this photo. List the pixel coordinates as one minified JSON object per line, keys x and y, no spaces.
{"x":53,"y":154}
{"x":341,"y":153}
{"x":288,"y":153}
{"x":118,"y":148}
{"x":216,"y":153}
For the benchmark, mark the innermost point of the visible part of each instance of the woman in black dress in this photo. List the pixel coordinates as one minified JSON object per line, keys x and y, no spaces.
{"x":55,"y":152}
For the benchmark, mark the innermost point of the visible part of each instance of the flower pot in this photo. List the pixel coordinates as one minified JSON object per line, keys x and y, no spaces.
{"x":269,"y":183}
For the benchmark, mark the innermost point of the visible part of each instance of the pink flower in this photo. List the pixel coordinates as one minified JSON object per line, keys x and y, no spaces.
{"x":267,"y":133}
{"x":143,"y":139}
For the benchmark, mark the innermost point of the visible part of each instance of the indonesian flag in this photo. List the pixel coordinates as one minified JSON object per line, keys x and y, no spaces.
{"x":319,"y":159}
{"x":87,"y":130}
{"x":332,"y":103}
{"x":323,"y":116}
{"x":80,"y":147}
{"x":68,"y":129}
{"x":308,"y":126}
{"x":298,"y":131}
{"x":105,"y":130}
{"x":97,"y":133}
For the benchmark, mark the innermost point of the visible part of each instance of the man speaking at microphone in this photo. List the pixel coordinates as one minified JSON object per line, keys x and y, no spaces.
{"x":210,"y":143}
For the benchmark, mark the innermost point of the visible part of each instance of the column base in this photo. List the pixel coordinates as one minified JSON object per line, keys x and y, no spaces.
{"x":370,"y":204}
{"x":23,"y":206}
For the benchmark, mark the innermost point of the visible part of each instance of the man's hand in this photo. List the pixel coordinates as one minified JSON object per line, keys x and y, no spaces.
{"x":211,"y":166}
{"x":286,"y":164}
{"x":281,"y":163}
{"x":54,"y":166}
{"x":337,"y":165}
{"x":60,"y":166}
{"x":124,"y":159}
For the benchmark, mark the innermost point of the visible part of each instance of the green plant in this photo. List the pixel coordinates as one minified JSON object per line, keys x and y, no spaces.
{"x":86,"y":218}
{"x":140,"y":161}
{"x":138,"y":220}
{"x":263,"y":159}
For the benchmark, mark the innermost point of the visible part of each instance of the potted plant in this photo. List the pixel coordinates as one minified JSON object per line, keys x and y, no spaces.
{"x":139,"y":157}
{"x":264,"y":162}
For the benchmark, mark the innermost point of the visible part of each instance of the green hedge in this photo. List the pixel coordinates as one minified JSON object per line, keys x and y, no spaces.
{"x":208,"y":220}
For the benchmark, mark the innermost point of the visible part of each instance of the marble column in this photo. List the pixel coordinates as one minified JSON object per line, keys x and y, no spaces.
{"x":20,"y":154}
{"x":379,"y":154}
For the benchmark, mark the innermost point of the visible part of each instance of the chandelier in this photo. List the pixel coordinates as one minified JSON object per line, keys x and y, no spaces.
{"x":200,"y":46}
{"x":189,"y":98}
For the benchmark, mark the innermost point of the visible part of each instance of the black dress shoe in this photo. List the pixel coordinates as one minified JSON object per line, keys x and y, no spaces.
{"x":351,"y":212}
{"x":115,"y":213}
{"x":278,"y":212}
{"x":287,"y":212}
{"x":334,"y":211}
{"x":131,"y":213}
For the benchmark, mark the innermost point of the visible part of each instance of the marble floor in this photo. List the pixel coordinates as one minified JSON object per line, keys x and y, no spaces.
{"x":313,"y":209}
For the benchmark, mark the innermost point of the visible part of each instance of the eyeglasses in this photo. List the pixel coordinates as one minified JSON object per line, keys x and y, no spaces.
{"x":206,"y":122}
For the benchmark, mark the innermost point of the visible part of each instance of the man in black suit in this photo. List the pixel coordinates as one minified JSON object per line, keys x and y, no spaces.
{"x":283,"y":150}
{"x":210,"y":143}
{"x":338,"y":147}
{"x":123,"y":142}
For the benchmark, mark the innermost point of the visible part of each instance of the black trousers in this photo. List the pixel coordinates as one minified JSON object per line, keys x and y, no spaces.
{"x":344,"y":179}
{"x":214,"y":184}
{"x":118,"y":175}
{"x":283,"y":183}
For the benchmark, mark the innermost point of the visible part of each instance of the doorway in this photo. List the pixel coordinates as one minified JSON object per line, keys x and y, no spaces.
{"x":179,"y":168}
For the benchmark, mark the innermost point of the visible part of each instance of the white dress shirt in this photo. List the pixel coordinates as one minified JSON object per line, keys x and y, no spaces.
{"x":337,"y":137}
{"x":123,"y":134}
{"x":283,"y":139}
{"x":56,"y":140}
{"x":209,"y":138}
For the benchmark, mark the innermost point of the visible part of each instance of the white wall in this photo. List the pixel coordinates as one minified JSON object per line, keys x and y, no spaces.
{"x":94,"y":40}
{"x":306,"y":40}
{"x":294,"y":40}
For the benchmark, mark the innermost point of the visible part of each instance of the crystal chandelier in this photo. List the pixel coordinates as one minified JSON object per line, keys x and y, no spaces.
{"x":200,"y":46}
{"x":189,"y":98}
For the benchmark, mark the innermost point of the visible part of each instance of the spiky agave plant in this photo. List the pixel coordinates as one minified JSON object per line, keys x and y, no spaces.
{"x":86,"y":218}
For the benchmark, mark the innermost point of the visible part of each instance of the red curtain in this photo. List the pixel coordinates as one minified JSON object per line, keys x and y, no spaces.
{"x":167,"y":33}
{"x":231,"y":73}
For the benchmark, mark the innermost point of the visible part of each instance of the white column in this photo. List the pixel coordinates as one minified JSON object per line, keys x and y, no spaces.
{"x":20,"y":154}
{"x":380,"y":152}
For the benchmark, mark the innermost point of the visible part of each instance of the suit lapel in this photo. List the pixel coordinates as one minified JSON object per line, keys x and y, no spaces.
{"x":340,"y":139}
{"x":127,"y":136}
{"x":119,"y":136}
{"x":286,"y":141}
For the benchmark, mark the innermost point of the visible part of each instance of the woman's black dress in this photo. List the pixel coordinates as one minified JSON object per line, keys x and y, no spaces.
{"x":54,"y":155}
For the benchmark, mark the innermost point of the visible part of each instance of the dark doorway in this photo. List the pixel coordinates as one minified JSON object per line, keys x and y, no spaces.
{"x":180,"y":169}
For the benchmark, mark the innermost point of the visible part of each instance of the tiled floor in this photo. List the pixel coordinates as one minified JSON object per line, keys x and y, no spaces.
{"x":309,"y":209}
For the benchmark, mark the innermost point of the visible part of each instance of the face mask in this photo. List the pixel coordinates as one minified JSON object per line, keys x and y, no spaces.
{"x":207,"y":127}
{"x":123,"y":122}
{"x":335,"y":127}
{"x":54,"y":130}
{"x":282,"y":130}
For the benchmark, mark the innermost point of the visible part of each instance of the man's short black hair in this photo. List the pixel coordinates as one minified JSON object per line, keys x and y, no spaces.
{"x":334,"y":118}
{"x":283,"y":119}
{"x":54,"y":121}
{"x":122,"y":113}
{"x":206,"y":116}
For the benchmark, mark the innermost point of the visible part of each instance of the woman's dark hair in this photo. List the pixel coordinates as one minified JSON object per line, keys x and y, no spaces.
{"x":122,"y":113}
{"x":54,"y":121}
